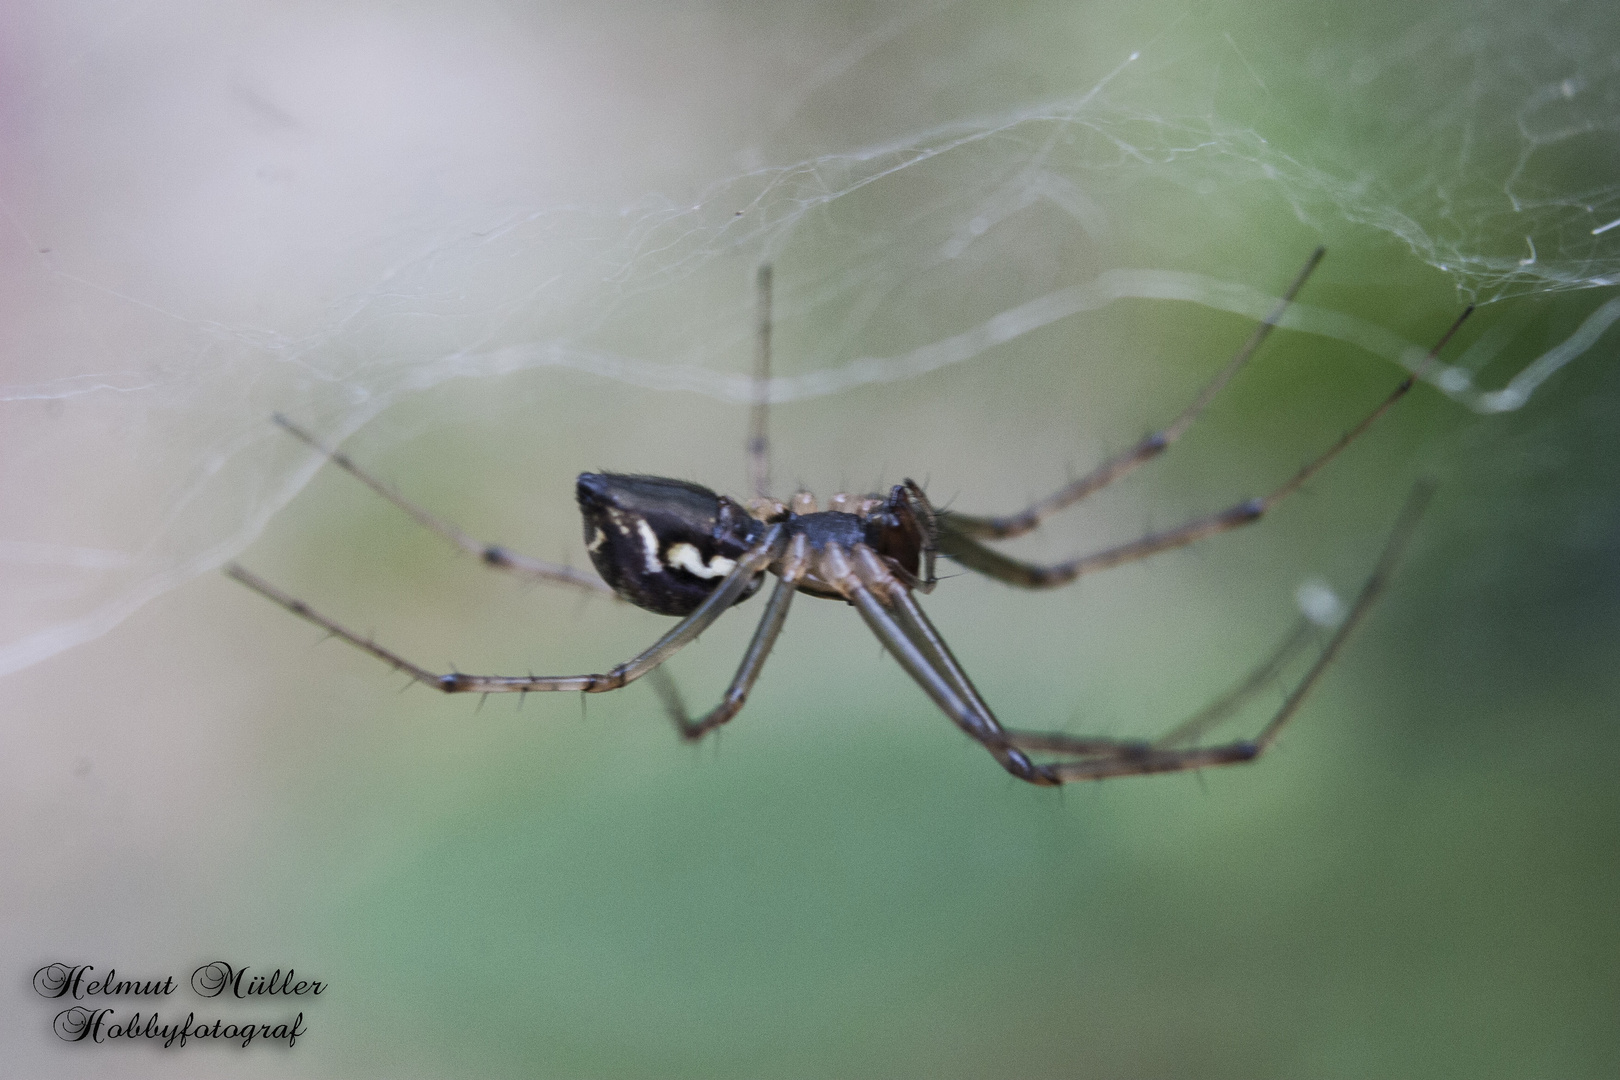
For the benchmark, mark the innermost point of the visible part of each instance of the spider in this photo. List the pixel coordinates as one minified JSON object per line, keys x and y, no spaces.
{"x":679,"y":549}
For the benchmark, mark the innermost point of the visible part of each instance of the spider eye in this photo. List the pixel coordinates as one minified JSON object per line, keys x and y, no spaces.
{"x":662,"y":544}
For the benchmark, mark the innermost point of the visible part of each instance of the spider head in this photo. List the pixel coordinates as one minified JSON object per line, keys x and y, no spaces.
{"x":906,"y":530}
{"x":663,"y":545}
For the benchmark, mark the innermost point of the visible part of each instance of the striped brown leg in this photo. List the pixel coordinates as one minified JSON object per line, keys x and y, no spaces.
{"x":759,"y":445}
{"x":1192,"y":729}
{"x":489,"y":554}
{"x":1150,"y":447}
{"x":792,"y":571}
{"x":889,"y":610}
{"x":868,"y":583}
{"x":976,"y":556}
{"x":753,"y":563}
{"x":1097,"y":760}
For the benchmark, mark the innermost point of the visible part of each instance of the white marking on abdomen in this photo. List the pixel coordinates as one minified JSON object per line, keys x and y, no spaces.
{"x":649,"y":544}
{"x":687,"y":558}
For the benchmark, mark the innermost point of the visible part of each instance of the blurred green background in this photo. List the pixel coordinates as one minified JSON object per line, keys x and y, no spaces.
{"x":1420,"y":881}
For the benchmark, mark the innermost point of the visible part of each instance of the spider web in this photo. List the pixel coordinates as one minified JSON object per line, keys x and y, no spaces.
{"x":932,"y":160}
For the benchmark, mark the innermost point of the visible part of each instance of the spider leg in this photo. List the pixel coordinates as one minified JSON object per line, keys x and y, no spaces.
{"x":793,"y":567}
{"x":1162,"y":755}
{"x":759,"y":446}
{"x":895,"y":591}
{"x":1193,"y":728}
{"x":1189,"y":730}
{"x":1150,"y":447}
{"x":755,"y":561}
{"x":871,"y":588}
{"x":975,"y":556}
{"x":489,"y":554}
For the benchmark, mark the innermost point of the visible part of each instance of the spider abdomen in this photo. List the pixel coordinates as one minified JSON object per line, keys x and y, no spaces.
{"x":664,"y":545}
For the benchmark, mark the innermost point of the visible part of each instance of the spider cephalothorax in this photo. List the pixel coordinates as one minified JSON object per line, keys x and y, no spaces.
{"x":677,"y":548}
